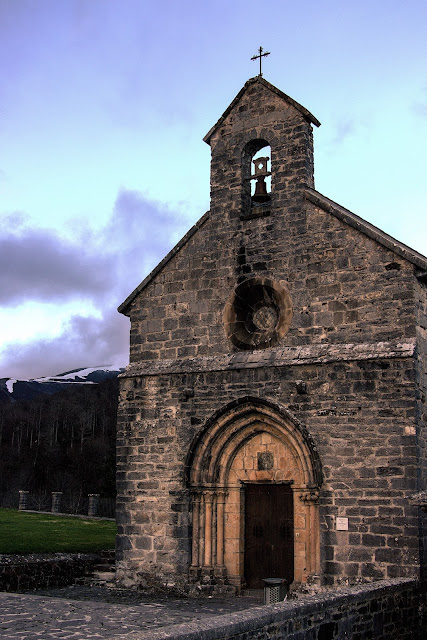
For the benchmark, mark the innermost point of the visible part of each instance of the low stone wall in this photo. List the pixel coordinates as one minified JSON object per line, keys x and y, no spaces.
{"x":38,"y":571}
{"x":389,"y":610}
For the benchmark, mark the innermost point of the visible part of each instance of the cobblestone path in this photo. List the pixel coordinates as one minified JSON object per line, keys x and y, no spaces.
{"x":99,"y":613}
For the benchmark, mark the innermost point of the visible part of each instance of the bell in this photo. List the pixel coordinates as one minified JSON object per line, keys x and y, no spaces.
{"x":260,"y":166}
{"x":260,"y":194}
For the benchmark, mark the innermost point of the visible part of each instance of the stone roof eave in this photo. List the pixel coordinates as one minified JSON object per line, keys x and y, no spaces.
{"x":367,"y":228}
{"x":305,"y":112}
{"x":125,"y":306}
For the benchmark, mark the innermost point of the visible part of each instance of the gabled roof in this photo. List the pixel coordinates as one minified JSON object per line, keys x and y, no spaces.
{"x":260,"y":80}
{"x":367,"y":228}
{"x":124,"y":307}
{"x":313,"y":196}
{"x":327,"y":205}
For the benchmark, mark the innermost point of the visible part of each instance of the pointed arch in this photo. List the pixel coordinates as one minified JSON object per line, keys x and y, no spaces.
{"x":227,"y":455}
{"x":239,"y":420}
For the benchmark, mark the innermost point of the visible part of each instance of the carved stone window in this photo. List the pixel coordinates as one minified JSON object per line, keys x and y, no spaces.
{"x":257,"y":314}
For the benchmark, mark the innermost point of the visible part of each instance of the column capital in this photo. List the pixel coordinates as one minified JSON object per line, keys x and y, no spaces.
{"x":310,"y":495}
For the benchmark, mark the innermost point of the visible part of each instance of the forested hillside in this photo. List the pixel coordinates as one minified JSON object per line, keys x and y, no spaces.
{"x":64,"y":442}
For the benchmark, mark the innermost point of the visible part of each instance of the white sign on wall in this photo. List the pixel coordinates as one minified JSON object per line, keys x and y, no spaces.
{"x":342,"y":524}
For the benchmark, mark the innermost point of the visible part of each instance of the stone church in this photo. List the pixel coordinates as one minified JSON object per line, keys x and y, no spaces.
{"x":272,"y":418}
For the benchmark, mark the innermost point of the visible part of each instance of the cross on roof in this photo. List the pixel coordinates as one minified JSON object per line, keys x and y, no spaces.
{"x":260,"y":56}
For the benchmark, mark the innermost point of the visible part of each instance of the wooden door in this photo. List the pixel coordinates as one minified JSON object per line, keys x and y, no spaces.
{"x":269,"y":533}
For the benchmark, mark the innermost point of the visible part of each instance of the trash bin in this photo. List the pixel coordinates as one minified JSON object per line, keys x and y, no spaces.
{"x":274,"y":590}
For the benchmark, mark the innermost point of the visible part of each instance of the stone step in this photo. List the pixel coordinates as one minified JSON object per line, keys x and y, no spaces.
{"x":103,"y":575}
{"x":104,"y":566}
{"x":252,"y":593}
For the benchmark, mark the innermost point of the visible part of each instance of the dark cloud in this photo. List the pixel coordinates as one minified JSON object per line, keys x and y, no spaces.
{"x":86,"y":342}
{"x":102,"y":267}
{"x":39,"y":265}
{"x":139,"y":234}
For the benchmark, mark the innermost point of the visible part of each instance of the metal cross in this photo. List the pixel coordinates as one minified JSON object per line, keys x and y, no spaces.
{"x":260,"y":56}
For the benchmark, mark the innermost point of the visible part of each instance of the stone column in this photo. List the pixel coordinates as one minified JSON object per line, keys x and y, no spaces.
{"x":208,"y":529}
{"x":310,"y":498}
{"x":220,"y":502}
{"x":56,"y":501}
{"x":93,"y":504}
{"x":196,"y":559}
{"x":23,"y":500}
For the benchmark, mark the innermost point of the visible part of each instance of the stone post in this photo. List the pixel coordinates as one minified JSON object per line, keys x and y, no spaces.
{"x":23,"y":500}
{"x":208,"y":502}
{"x":196,"y":556}
{"x":56,"y":501}
{"x":220,"y":502}
{"x":93,"y":504}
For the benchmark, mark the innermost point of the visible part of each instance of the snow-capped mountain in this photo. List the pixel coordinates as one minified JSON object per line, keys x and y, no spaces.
{"x":12,"y":389}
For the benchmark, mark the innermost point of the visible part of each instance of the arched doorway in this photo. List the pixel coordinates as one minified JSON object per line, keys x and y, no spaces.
{"x":245,"y":448}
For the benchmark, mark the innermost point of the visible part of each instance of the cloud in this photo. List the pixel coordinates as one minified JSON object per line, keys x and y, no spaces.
{"x":419,"y":107}
{"x":140,"y":233}
{"x":85,"y":342}
{"x":102,"y":268}
{"x":343,"y":130}
{"x":39,"y":265}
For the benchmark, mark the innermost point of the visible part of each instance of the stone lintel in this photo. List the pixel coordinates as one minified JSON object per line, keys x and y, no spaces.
{"x":278,"y":357}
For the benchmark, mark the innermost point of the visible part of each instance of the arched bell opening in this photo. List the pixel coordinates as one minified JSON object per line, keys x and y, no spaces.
{"x":257,"y":175}
{"x":261,"y":176}
{"x":248,"y":446}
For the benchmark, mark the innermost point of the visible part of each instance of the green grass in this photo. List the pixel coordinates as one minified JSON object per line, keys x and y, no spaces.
{"x":22,"y":533}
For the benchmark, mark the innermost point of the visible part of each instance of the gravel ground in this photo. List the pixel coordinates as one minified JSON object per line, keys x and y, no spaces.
{"x":80,"y":613}
{"x":133,"y":597}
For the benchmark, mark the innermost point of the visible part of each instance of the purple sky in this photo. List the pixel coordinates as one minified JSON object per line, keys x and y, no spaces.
{"x":103,"y":107}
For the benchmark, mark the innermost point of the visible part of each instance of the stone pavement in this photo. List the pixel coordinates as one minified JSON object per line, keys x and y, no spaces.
{"x":88,"y":612}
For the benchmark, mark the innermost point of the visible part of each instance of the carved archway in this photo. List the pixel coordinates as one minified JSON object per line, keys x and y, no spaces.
{"x":231,"y":451}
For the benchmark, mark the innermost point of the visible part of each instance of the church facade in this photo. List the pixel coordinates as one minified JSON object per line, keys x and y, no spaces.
{"x":272,"y":418}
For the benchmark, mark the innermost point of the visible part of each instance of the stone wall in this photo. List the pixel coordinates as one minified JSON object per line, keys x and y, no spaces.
{"x":38,"y":571}
{"x":361,"y":421}
{"x":393,"y":610}
{"x":422,"y":409}
{"x":344,"y":287}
